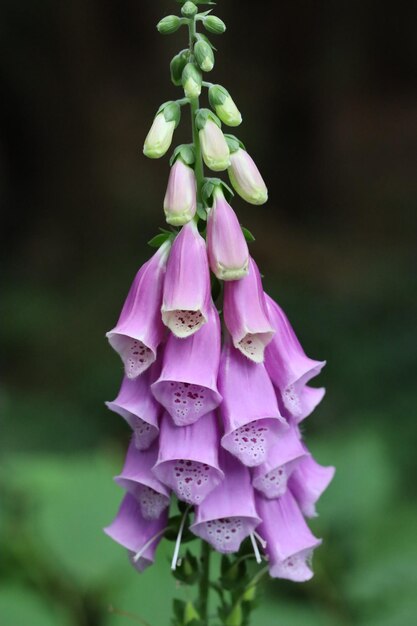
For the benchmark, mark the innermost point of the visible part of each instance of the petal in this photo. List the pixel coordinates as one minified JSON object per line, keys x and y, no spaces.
{"x":187,"y":291}
{"x":187,"y":386}
{"x":245,"y":314}
{"x":139,"y":330}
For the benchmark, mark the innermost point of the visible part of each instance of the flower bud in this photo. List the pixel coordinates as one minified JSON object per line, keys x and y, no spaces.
{"x":224,"y":106}
{"x":226,"y":245}
{"x":246,"y":178}
{"x":191,"y":81}
{"x":214,"y":25}
{"x":180,"y":197}
{"x":189,"y":9}
{"x":214,"y":147}
{"x":169,"y":24}
{"x":160,"y":135}
{"x":204,"y":55}
{"x":178,"y":62}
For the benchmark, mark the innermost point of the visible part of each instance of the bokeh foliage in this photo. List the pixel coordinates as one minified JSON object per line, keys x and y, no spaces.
{"x":330,"y":117}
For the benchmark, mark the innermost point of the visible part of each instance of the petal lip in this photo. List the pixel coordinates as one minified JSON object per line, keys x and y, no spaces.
{"x":137,"y":405}
{"x":230,"y":505}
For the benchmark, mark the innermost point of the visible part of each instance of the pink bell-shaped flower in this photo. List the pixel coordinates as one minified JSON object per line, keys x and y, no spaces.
{"x":289,"y":367}
{"x":187,"y":293}
{"x":228,"y":514}
{"x":226,"y":245}
{"x":187,"y":386}
{"x":188,"y":458}
{"x":138,"y":479}
{"x":137,"y":405}
{"x":140,"y":330}
{"x":139,"y":536}
{"x":250,"y":414}
{"x":246,"y":316}
{"x":272,"y":476}
{"x":289,"y":541}
{"x":307,"y":483}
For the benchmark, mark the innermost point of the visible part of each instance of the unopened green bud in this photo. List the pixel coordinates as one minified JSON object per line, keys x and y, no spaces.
{"x":224,"y":106}
{"x":191,"y":81}
{"x":177,"y":65}
{"x":169,"y":24}
{"x":160,"y":135}
{"x":189,"y":9}
{"x":204,"y":55}
{"x":214,"y":25}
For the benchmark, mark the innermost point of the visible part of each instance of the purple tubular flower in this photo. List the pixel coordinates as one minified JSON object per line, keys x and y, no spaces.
{"x":138,"y":479}
{"x":136,"y":404}
{"x":307,"y":483}
{"x":187,"y":292}
{"x":290,"y":542}
{"x":188,"y":458}
{"x":227,"y":248}
{"x":137,"y":535}
{"x":251,"y":418}
{"x":246,"y":316}
{"x":289,"y":367}
{"x":271,"y":477}
{"x":180,"y":197}
{"x":139,"y":330}
{"x":187,"y":386}
{"x":228,"y":514}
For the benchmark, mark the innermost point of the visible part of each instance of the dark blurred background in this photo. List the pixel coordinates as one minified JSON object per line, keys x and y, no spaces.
{"x":328,"y":92}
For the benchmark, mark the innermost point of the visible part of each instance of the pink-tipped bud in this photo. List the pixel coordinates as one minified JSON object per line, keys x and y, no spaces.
{"x":180,"y":197}
{"x":214,"y":147}
{"x":227,"y":248}
{"x":246,"y":179}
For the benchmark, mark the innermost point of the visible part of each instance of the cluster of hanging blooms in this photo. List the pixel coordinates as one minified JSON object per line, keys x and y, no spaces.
{"x":215,"y":381}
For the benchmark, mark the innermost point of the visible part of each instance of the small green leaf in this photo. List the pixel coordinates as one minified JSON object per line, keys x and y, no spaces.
{"x":158,"y":240}
{"x":201,"y":212}
{"x":247,"y":234}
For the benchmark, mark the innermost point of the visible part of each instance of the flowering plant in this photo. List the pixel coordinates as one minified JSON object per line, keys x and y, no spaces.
{"x":215,"y":380}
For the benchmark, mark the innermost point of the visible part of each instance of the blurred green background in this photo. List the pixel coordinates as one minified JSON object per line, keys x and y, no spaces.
{"x":329,"y":96}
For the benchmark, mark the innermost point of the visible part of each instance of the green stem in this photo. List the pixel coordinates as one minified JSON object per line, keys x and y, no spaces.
{"x":194,"y":106}
{"x":204,"y":585}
